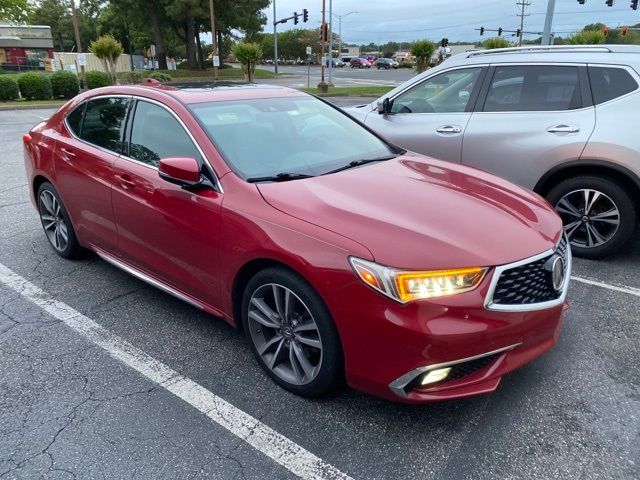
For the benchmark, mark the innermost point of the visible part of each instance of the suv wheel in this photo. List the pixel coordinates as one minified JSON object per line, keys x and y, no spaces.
{"x":599,"y":215}
{"x":291,"y":332}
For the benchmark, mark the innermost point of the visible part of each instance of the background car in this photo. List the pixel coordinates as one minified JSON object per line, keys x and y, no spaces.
{"x":337,"y":63}
{"x":231,"y":199}
{"x":360,"y":63}
{"x":386,"y":63}
{"x":557,"y":120}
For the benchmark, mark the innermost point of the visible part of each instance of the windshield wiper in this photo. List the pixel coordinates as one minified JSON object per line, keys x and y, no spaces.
{"x":363,"y":161}
{"x":280,"y":177}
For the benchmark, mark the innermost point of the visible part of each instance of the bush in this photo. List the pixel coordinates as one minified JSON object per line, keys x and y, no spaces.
{"x":422,"y":51}
{"x":496,"y":42}
{"x":405,"y":65}
{"x":107,"y":49}
{"x":130,"y":77}
{"x":248,"y":54}
{"x":65,"y":84}
{"x":96,"y":79}
{"x":161,"y":77}
{"x":8,"y":88}
{"x":587,"y":37}
{"x":35,"y":86}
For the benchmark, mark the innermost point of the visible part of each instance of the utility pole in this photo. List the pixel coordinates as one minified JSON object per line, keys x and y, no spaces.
{"x":330,"y":43}
{"x":76,"y":31}
{"x":522,"y":4}
{"x":322,"y":86}
{"x":275,"y":39}
{"x":546,"y":34}
{"x":214,"y":41}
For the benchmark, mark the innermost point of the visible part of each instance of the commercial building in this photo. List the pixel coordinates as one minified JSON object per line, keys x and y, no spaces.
{"x":25,"y":47}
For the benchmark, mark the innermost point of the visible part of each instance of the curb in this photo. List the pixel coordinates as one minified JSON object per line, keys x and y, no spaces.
{"x":31,"y":107}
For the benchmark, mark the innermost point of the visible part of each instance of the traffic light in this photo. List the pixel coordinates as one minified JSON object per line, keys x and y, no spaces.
{"x":634,"y":4}
{"x":605,"y":30}
{"x":581,"y":2}
{"x":609,"y":3}
{"x":625,"y":29}
{"x":305,"y":15}
{"x":500,"y":31}
{"x":444,"y":42}
{"x":482,"y":28}
{"x":518,"y":32}
{"x":295,"y":18}
{"x":324,"y":32}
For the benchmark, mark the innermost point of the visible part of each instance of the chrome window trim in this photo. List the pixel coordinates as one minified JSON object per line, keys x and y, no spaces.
{"x":529,"y":307}
{"x":216,"y":179}
{"x":398,"y":385}
{"x":145,"y":278}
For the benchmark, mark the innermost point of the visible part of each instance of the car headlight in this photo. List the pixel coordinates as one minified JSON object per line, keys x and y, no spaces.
{"x":406,"y":286}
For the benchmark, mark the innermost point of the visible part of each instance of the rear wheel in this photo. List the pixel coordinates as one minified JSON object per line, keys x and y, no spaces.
{"x":56,"y":222}
{"x":291,"y":332}
{"x":598,"y":214}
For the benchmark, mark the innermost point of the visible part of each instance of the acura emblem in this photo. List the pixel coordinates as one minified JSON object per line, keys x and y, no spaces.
{"x":555,"y":266}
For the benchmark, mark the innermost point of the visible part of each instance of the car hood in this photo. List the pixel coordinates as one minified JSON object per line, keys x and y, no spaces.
{"x":418,"y":213}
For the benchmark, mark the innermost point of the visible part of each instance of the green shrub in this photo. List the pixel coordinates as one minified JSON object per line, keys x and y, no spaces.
{"x":97,"y":79}
{"x":248,"y":54}
{"x":130,"y":77}
{"x":8,"y":88}
{"x":422,"y":51}
{"x":161,"y":77}
{"x":404,"y":64}
{"x":35,"y":86}
{"x":65,"y":84}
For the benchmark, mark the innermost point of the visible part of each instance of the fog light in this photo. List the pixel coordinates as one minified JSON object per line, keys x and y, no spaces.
{"x":435,"y":376}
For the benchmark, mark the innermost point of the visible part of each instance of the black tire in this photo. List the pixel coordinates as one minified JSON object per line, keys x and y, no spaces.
{"x":621,"y":198}
{"x":331,"y":367}
{"x":72,"y":248}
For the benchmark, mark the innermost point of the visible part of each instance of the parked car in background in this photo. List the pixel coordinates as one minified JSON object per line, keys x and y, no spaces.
{"x":410,"y":276}
{"x":558,"y":120}
{"x":386,"y":63}
{"x":337,"y":63}
{"x":360,"y":63}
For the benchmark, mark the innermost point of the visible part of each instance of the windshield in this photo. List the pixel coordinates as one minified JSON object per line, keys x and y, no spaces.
{"x":262,"y":138}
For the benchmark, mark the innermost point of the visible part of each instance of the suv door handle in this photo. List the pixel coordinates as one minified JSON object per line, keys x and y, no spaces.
{"x":448,"y":129}
{"x":563,"y":129}
{"x":125,"y":181}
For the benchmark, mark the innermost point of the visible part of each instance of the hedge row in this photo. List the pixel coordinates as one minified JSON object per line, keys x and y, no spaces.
{"x":38,"y":86}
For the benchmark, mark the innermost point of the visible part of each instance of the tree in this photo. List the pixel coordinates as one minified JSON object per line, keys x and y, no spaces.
{"x":107,"y":49}
{"x":587,"y":37}
{"x":496,"y":42}
{"x":422,"y":50}
{"x":14,"y":11}
{"x":248,"y":54}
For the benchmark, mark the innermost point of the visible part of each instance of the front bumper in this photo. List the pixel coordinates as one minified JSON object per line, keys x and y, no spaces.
{"x":385,"y":342}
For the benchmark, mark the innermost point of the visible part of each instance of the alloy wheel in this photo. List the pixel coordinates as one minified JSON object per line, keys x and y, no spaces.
{"x":53,"y":221}
{"x":590,"y":217}
{"x":285,"y":334}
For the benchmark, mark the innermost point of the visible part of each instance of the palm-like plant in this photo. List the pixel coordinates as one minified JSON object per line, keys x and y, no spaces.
{"x":107,"y":49}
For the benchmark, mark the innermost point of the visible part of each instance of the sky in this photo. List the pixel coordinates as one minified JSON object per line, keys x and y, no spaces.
{"x":407,"y":20}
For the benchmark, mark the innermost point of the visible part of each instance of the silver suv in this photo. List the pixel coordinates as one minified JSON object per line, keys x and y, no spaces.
{"x":559,"y":120}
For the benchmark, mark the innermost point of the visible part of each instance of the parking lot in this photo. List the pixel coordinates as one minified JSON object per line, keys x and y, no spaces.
{"x":102,"y":376}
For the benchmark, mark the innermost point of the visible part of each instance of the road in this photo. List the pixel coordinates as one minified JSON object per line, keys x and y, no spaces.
{"x":342,"y":77}
{"x":81,"y":397}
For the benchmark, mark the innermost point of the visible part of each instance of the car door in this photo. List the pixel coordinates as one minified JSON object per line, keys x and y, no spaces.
{"x":84,"y":161}
{"x":431,"y":116}
{"x":529,"y":119}
{"x":164,"y":230}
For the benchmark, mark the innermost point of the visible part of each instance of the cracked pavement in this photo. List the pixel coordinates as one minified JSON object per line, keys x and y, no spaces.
{"x":69,"y":410}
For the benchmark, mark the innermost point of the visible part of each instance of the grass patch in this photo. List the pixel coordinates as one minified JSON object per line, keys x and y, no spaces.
{"x":18,"y":104}
{"x":364,"y":91}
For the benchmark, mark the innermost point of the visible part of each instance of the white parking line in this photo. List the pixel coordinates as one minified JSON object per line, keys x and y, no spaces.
{"x":596,"y":283}
{"x":261,"y":437}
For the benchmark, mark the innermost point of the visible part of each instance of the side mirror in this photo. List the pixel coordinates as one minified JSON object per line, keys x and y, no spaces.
{"x":384,"y":106}
{"x":180,"y":171}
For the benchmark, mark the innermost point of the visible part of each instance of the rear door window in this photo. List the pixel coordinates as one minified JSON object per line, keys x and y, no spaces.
{"x":608,"y":83}
{"x":103,"y":122}
{"x":74,"y":119}
{"x":534,"y":88}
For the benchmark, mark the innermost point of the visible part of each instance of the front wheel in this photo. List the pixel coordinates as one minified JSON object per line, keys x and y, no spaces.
{"x":598,"y":214}
{"x":291,"y":332}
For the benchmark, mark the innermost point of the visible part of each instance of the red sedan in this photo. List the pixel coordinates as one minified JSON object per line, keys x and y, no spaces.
{"x":339,"y":254}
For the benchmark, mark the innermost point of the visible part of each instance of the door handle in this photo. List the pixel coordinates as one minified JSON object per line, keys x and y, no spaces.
{"x":67,"y":153}
{"x":449,"y":129}
{"x":125,"y":181}
{"x":563,"y":129}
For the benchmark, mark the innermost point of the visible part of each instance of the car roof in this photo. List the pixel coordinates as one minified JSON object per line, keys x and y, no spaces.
{"x":614,"y":54}
{"x":189,"y":93}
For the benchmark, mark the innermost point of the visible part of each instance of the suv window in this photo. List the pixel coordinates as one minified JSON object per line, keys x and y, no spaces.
{"x":534,"y":88}
{"x":608,"y":83}
{"x":103,"y":120}
{"x":74,"y":119}
{"x":156,"y":134}
{"x":443,"y":93}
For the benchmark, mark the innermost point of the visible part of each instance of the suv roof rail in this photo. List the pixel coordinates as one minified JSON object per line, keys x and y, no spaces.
{"x":545,"y":48}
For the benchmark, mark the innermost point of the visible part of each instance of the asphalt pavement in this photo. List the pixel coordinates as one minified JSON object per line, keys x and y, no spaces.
{"x":82,"y":345}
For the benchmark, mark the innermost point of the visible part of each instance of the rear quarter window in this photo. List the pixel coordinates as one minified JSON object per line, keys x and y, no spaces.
{"x":608,"y":83}
{"x":74,"y":119}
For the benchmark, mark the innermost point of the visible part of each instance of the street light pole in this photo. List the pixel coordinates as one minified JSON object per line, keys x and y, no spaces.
{"x":546,"y":34}
{"x":330,"y":43}
{"x":214,"y":40}
{"x":275,"y":39}
{"x":76,"y":31}
{"x":340,"y":17}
